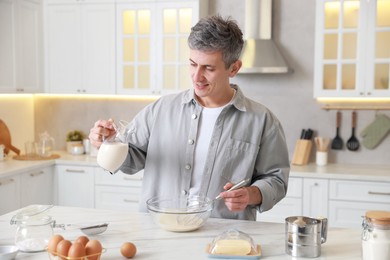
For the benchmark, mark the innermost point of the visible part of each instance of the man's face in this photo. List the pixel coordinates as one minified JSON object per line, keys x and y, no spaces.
{"x":210,"y":77}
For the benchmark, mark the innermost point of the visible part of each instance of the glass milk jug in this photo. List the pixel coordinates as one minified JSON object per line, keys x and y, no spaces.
{"x":113,"y":152}
{"x":376,"y":235}
{"x":45,"y":145}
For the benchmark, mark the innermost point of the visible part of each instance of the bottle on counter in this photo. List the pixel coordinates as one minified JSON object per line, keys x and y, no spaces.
{"x":376,"y":235}
{"x":1,"y":152}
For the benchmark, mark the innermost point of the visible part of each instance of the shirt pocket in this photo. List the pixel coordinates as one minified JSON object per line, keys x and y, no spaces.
{"x":239,"y":159}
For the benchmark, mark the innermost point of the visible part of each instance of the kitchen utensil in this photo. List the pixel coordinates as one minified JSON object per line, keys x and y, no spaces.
{"x":353,"y":142}
{"x":5,"y":138}
{"x":171,"y":213}
{"x":322,"y":144}
{"x":89,"y":230}
{"x":8,"y":252}
{"x":304,"y":236}
{"x":94,"y":230}
{"x":113,"y":152}
{"x":337,"y":142}
{"x":235,"y":187}
{"x":195,"y":207}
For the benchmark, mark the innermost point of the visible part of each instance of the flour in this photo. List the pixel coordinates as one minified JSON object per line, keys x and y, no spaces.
{"x":377,"y":245}
{"x":179,"y":223}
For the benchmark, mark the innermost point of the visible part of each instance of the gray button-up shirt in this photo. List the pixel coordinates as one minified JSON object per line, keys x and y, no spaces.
{"x":247,"y":142}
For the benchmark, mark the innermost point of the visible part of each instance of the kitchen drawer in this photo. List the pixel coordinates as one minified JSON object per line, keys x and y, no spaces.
{"x":350,"y":214}
{"x":102,"y":177}
{"x":294,"y":189}
{"x":285,"y":208}
{"x":360,"y":191}
{"x":117,"y":198}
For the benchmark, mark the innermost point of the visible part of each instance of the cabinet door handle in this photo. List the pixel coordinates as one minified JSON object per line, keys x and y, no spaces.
{"x":34,"y":174}
{"x":78,"y":171}
{"x":130,"y":200}
{"x":132,"y":178}
{"x":5,"y":182}
{"x":379,"y":193}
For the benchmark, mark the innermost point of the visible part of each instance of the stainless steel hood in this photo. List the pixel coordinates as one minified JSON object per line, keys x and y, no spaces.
{"x":260,"y":53}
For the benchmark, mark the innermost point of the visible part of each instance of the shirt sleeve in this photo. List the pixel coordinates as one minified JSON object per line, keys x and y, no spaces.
{"x":272,"y":167}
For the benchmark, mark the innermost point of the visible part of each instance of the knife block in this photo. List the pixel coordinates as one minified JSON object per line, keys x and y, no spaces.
{"x":302,"y":152}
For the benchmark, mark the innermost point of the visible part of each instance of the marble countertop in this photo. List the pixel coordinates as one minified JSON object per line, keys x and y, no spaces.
{"x":154,"y":243}
{"x":10,"y":166}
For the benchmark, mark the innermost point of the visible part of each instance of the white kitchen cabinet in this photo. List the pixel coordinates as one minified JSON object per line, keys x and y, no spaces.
{"x":75,"y":186}
{"x":352,"y":53}
{"x":291,"y":205}
{"x":9,"y":194}
{"x":315,"y":197}
{"x":152,"y":51}
{"x":21,"y":46}
{"x":80,"y":47}
{"x":36,"y":187}
{"x":119,"y":191}
{"x":349,"y":201}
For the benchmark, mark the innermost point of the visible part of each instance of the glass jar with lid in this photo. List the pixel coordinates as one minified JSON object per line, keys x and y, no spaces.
{"x":33,"y":228}
{"x":376,"y":235}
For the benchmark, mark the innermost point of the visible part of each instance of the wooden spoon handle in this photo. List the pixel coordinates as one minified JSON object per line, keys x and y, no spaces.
{"x":338,"y":119}
{"x":353,"y":119}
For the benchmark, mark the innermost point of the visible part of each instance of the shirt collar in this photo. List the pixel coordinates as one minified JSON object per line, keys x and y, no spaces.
{"x":237,"y":101}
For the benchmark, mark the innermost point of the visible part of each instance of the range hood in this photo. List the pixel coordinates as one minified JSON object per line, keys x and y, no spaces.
{"x":260,"y":53}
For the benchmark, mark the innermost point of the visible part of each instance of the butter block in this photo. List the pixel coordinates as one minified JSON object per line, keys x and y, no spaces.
{"x":232,"y":247}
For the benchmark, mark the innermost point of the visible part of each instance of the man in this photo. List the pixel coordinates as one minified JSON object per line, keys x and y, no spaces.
{"x":203,"y":140}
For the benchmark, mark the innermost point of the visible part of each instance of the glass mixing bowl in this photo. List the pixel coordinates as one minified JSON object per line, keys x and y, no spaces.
{"x":180,"y":214}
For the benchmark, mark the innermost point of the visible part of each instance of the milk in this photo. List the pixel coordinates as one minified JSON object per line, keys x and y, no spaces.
{"x":111,"y":155}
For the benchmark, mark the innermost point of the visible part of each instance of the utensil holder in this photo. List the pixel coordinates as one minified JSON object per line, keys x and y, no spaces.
{"x":302,"y":152}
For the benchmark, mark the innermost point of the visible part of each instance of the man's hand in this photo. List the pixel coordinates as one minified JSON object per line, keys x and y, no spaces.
{"x":238,"y":200}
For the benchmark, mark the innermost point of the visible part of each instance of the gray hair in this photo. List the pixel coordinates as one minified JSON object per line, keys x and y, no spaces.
{"x":214,"y":33}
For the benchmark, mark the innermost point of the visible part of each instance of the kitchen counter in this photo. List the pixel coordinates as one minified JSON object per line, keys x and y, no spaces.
{"x":335,"y":171}
{"x":154,"y":243}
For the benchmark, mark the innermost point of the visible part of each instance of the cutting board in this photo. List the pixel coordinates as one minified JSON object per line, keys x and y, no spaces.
{"x":5,"y":139}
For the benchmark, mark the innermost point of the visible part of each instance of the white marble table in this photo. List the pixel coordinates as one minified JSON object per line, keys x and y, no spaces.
{"x":154,"y":243}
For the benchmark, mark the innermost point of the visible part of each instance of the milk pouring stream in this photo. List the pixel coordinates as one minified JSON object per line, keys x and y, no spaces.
{"x":113,"y":152}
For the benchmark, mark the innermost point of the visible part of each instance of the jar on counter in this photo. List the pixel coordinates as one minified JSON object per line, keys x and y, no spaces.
{"x":33,"y":228}
{"x":376,"y":235}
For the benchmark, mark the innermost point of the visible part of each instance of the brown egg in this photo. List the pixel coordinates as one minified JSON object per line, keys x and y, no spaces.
{"x":82,"y":239}
{"x":93,"y":247}
{"x":77,"y":250}
{"x":128,"y":250}
{"x":53,"y":242}
{"x":63,"y":248}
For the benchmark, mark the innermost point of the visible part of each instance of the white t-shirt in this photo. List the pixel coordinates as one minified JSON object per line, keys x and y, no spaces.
{"x":206,"y":126}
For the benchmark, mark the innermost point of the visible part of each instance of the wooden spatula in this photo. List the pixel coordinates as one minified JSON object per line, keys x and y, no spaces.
{"x":5,"y":138}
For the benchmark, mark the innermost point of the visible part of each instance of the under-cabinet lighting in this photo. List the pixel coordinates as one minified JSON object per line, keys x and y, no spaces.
{"x":356,"y":100}
{"x":99,"y":97}
{"x":9,"y":97}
